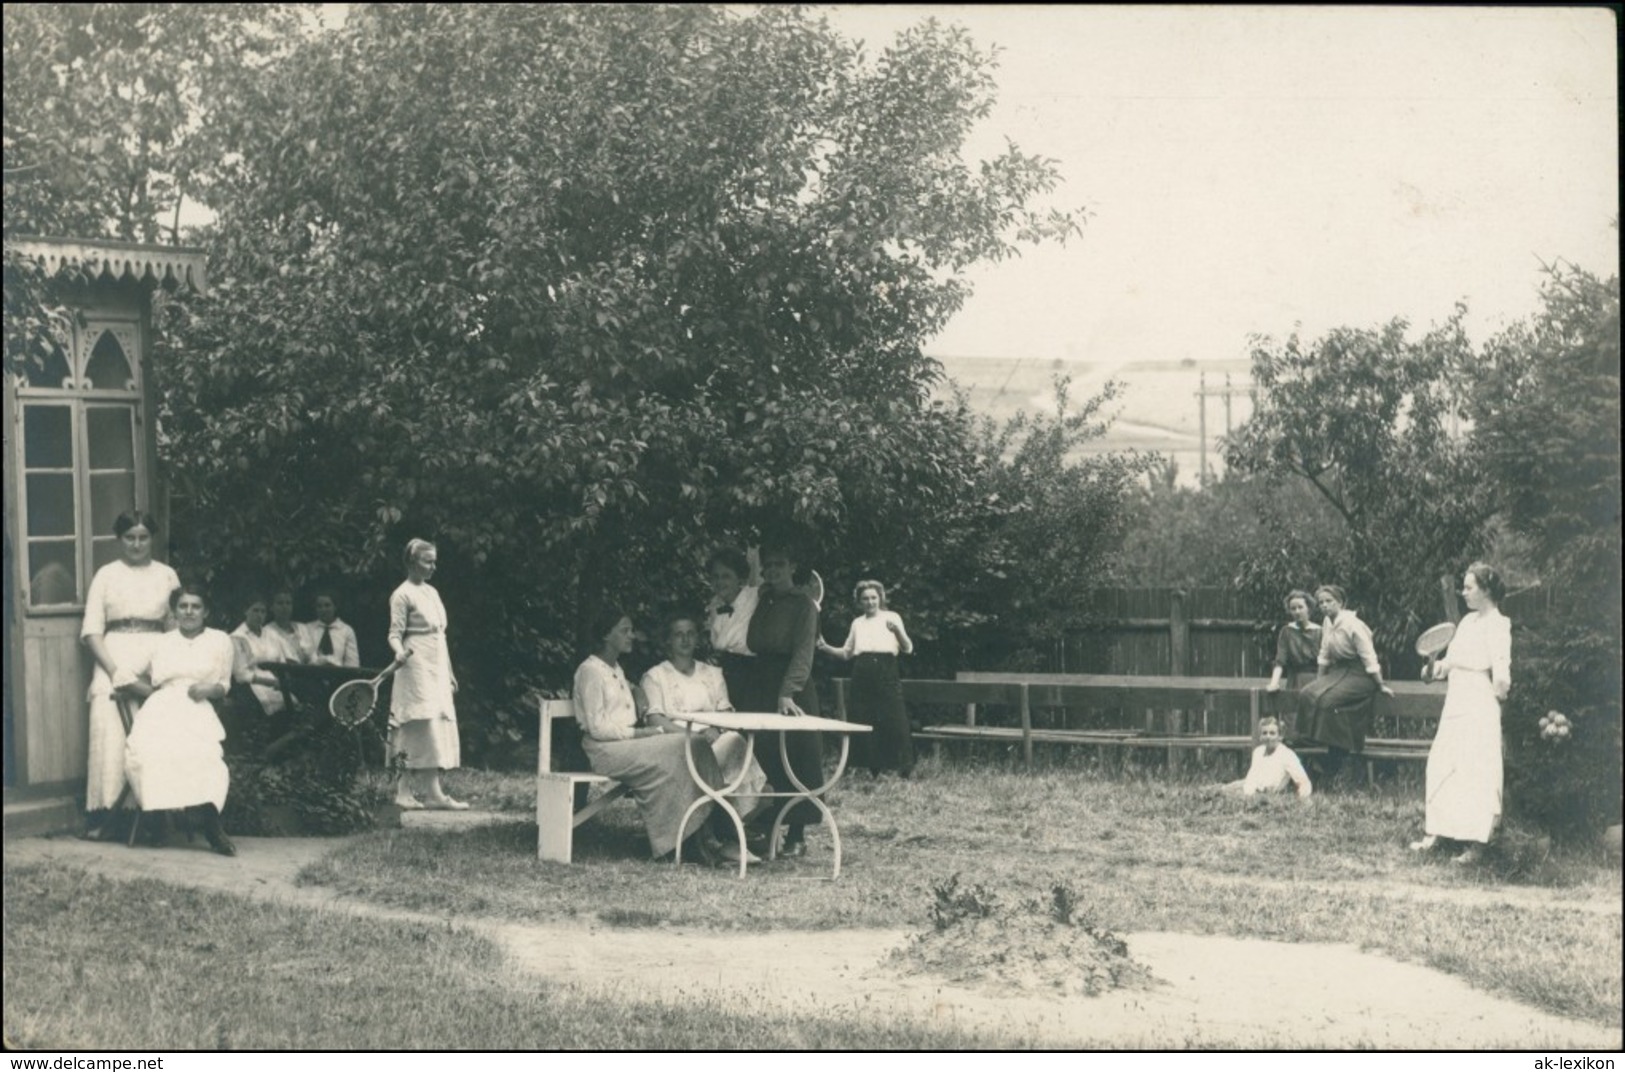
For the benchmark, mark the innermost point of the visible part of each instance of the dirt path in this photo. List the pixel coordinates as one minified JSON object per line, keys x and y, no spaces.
{"x":1214,"y":991}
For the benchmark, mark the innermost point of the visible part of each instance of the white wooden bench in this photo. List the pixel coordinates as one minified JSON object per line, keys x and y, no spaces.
{"x":556,"y":814}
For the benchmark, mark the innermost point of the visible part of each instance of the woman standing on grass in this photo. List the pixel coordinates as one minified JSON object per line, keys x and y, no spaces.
{"x":173,"y":757}
{"x":646,"y":752}
{"x":422,"y":716}
{"x":126,"y":613}
{"x":875,"y":640}
{"x":1464,"y":766}
{"x":1334,"y":709}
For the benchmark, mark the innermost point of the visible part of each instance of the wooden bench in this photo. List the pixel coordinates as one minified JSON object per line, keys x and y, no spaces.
{"x":1196,"y":713}
{"x":556,"y":814}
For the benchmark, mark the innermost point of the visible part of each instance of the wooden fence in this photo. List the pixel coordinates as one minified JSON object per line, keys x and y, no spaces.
{"x":1195,"y":632}
{"x":1202,"y":632}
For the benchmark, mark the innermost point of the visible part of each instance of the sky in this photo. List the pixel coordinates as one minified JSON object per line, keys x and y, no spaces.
{"x":1264,"y":169}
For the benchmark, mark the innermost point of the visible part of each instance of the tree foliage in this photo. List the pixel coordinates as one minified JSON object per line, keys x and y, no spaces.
{"x":579,"y":292}
{"x":105,"y":128}
{"x":1546,"y":415}
{"x":1370,"y":421}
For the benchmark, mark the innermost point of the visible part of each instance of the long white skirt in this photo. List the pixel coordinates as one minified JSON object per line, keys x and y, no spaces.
{"x":104,"y":767}
{"x":1464,"y":765}
{"x":173,"y":757}
{"x":733,"y":754}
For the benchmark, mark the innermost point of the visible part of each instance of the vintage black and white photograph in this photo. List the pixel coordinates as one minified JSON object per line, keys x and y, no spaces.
{"x":900,"y":528}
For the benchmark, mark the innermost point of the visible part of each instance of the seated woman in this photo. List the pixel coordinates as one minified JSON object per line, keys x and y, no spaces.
{"x":644,"y":752}
{"x":256,"y":645}
{"x":1331,"y":708}
{"x":682,"y":684}
{"x":173,"y":757}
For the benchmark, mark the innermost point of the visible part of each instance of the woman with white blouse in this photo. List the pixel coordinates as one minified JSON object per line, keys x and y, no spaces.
{"x":174,"y":758}
{"x":683,"y":684}
{"x":256,"y":644}
{"x":874,"y":642}
{"x":126,"y":614}
{"x":644,"y":751}
{"x":1333,"y":709}
{"x":1464,"y":765}
{"x":422,"y":716}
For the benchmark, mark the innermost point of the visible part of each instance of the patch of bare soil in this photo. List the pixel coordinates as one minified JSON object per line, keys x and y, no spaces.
{"x":1213,"y":992}
{"x":1030,"y":946}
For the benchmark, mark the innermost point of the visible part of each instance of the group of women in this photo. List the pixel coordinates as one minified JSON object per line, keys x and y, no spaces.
{"x":157,"y":661}
{"x":763,"y":638}
{"x":1464,"y":769}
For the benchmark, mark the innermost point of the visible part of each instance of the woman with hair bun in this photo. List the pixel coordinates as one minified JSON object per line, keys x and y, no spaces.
{"x":422,"y":716}
{"x":1464,"y":765}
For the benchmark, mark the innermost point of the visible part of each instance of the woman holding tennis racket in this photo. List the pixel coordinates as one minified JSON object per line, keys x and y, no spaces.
{"x":422,"y":717}
{"x":1464,"y":766}
{"x":1333,"y":709}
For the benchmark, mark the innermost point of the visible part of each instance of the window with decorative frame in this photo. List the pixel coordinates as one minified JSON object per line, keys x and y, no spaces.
{"x":80,"y":461}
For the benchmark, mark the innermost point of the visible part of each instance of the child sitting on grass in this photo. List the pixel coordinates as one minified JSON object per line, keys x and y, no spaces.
{"x":1275,"y":767}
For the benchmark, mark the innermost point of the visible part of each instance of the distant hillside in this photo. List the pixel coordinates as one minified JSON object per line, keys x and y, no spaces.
{"x":1157,"y":410}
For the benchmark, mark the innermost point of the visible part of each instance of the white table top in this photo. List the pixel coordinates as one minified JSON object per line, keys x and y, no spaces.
{"x":753,"y":721}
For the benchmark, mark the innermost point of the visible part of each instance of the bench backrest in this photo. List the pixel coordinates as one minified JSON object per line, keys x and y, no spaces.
{"x":550,"y":710}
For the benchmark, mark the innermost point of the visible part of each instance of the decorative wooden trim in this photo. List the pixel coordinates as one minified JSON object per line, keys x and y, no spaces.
{"x":105,"y":259}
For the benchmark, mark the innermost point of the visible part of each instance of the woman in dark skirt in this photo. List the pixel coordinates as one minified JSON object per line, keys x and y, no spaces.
{"x":1332,"y":709}
{"x":1297,"y":652}
{"x":876,"y":639}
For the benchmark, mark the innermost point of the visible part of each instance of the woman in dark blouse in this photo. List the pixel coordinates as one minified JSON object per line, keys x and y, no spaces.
{"x":1297,"y":648}
{"x":783,"y":631}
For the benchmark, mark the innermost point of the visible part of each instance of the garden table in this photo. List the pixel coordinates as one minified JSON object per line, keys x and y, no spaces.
{"x":750,"y":723}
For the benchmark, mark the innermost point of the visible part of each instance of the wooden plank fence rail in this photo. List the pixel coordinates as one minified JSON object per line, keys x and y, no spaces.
{"x":1174,"y":714}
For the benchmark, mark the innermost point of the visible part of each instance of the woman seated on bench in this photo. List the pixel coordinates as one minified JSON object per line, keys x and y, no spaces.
{"x":682,"y":684}
{"x":1334,"y":710}
{"x":645,"y":752}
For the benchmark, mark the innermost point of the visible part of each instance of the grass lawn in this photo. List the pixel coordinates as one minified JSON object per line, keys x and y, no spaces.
{"x":1142,"y":855}
{"x":102,"y":965}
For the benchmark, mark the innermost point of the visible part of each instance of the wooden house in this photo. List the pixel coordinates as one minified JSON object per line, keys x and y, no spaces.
{"x":80,"y":449}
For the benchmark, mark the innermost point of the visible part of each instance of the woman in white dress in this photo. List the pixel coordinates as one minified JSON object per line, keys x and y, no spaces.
{"x":126,"y":613}
{"x":257,"y":644}
{"x":173,"y":758}
{"x":1464,"y":766}
{"x":422,"y":716}
{"x":682,"y":684}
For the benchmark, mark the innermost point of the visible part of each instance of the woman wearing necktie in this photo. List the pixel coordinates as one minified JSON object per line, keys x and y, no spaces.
{"x":331,"y":640}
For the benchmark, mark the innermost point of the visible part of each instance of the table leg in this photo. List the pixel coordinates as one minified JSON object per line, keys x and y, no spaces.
{"x":717,"y":796}
{"x":811,"y":796}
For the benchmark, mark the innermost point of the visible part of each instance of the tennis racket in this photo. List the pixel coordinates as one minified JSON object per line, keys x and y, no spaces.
{"x":815,"y":589}
{"x":352,"y":702}
{"x":1432,"y":642}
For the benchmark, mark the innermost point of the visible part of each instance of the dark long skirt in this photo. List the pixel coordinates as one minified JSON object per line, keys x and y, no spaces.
{"x":1335,"y":709}
{"x":753,"y":685}
{"x":877,"y":701}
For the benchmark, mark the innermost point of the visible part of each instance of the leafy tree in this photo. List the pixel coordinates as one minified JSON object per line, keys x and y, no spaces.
{"x":1370,"y":421}
{"x":1546,"y":415}
{"x":993,"y":576}
{"x":577,"y":291}
{"x":104,"y":131}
